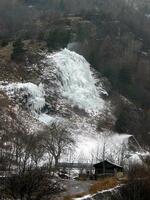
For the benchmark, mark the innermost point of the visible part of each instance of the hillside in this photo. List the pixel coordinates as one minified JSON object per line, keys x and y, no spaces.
{"x":74,"y":88}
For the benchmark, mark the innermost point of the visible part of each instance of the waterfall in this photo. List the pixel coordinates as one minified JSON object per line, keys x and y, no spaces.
{"x":78,"y":85}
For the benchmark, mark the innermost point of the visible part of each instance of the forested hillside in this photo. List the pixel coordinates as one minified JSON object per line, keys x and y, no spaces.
{"x":114,"y":36}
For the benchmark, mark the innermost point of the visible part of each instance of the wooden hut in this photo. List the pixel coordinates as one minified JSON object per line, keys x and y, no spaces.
{"x":107,"y":168}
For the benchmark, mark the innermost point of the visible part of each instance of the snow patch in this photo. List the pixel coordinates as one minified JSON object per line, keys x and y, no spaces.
{"x":137,"y":157}
{"x":101,"y":192}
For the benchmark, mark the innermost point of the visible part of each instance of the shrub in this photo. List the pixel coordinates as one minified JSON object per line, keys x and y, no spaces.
{"x":33,"y":184}
{"x":138,"y":184}
{"x":122,"y":122}
{"x":4,"y":43}
{"x":57,"y":38}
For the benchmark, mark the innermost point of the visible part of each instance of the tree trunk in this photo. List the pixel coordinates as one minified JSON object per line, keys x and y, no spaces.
{"x":56,"y":162}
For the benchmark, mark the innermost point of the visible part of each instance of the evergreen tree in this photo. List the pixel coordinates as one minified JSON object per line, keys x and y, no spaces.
{"x":18,"y":50}
{"x":58,"y":38}
{"x":62,"y":6}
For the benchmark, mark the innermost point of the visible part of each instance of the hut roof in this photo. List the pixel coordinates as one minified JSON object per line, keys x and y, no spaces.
{"x":107,"y":164}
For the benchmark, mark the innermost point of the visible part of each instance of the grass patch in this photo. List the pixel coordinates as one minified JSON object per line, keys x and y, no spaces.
{"x":5,"y":53}
{"x":104,"y":184}
{"x":4,"y":102}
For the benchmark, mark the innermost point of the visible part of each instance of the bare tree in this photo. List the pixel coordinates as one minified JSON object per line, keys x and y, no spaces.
{"x":57,"y":141}
{"x":37,"y":149}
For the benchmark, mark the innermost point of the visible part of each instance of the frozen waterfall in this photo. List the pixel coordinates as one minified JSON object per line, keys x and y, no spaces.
{"x":77,"y":84}
{"x":33,"y":97}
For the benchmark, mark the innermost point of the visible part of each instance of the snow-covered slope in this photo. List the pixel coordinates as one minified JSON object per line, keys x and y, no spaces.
{"x":70,"y":93}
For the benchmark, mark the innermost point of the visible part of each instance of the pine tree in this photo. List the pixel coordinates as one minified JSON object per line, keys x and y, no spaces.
{"x":62,"y":6}
{"x":18,"y":50}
